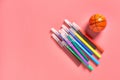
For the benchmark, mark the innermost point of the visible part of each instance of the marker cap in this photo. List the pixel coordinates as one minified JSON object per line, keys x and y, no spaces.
{"x":57,"y":39}
{"x":63,"y":34}
{"x":54,"y":31}
{"x":68,"y":22}
{"x":90,"y":67}
{"x":72,"y":30}
{"x":65,"y":28}
{"x":76,"y":26}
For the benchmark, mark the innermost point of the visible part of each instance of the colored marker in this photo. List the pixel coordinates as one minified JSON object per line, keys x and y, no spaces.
{"x":82,"y":39}
{"x":87,"y":38}
{"x":77,"y":39}
{"x":71,"y":45}
{"x":74,"y":44}
{"x":58,"y":34}
{"x":65,"y":46}
{"x":92,"y":58}
{"x":77,"y":29}
{"x":94,"y":51}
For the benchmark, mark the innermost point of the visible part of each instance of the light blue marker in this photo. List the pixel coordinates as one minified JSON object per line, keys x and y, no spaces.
{"x":92,"y":58}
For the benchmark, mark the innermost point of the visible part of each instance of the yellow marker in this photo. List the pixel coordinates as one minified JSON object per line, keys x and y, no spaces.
{"x":94,"y":51}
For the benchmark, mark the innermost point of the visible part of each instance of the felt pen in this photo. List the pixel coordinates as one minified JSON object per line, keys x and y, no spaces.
{"x":77,"y":39}
{"x":71,"y":45}
{"x":75,"y":42}
{"x":58,"y":34}
{"x":62,"y":38}
{"x":65,"y":46}
{"x":93,"y":50}
{"x":82,"y":39}
{"x":87,"y":38}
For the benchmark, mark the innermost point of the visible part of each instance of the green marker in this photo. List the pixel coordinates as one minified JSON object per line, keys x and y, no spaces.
{"x":73,"y":52}
{"x":75,"y":45}
{"x":63,"y":44}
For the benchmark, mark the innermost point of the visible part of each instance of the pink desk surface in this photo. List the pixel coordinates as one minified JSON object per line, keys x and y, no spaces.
{"x":27,"y":51}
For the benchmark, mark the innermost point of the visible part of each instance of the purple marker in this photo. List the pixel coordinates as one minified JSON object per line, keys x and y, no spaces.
{"x":70,"y":44}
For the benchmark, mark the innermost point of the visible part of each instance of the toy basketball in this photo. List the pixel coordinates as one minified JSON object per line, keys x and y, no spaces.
{"x":97,"y":23}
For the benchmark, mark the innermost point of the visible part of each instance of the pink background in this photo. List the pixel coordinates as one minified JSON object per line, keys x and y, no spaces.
{"x":27,"y":51}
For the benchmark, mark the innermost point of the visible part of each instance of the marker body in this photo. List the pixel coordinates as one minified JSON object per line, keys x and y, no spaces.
{"x":65,"y":46}
{"x":77,"y":47}
{"x":93,"y":44}
{"x":83,"y":45}
{"x":88,"y":66}
{"x":91,"y":57}
{"x":70,"y":44}
{"x":95,"y":52}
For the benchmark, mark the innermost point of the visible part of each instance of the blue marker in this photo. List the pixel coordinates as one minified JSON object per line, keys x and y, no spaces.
{"x":80,"y":42}
{"x":84,"y":49}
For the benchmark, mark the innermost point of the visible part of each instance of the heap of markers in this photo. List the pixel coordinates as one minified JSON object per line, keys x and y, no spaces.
{"x":78,"y":43}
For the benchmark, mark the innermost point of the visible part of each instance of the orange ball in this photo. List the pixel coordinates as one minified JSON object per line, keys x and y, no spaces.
{"x":97,"y":23}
